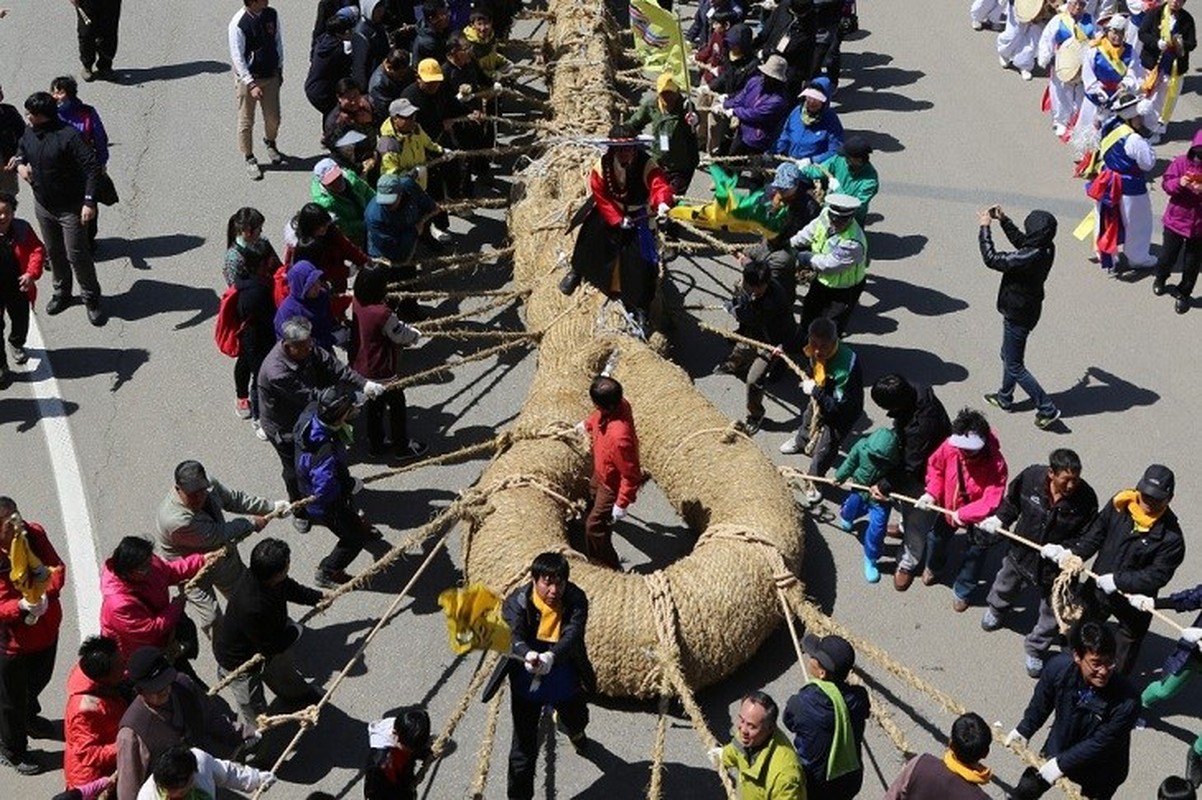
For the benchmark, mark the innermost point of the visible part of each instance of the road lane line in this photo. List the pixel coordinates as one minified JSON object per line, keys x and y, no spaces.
{"x":82,"y":565}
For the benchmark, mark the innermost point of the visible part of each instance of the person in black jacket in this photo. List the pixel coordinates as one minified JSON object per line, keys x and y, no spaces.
{"x":1096,"y":710}
{"x":1048,"y":504}
{"x":1020,"y":301}
{"x":549,"y":664}
{"x":369,"y":45}
{"x":329,"y":63}
{"x":398,"y":742}
{"x":256,"y":622}
{"x":1139,"y":545}
{"x":1168,"y":55}
{"x":922,"y":424}
{"x":62,"y":170}
{"x":432,"y":32}
{"x":98,"y":23}
{"x":12,"y":127}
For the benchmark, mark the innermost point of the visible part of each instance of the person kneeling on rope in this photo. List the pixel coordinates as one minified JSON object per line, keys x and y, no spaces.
{"x":615,"y":249}
{"x":616,"y":471}
{"x":321,"y":435}
{"x":548,"y":666}
{"x":397,"y":742}
{"x":758,"y":757}
{"x":1096,"y":709}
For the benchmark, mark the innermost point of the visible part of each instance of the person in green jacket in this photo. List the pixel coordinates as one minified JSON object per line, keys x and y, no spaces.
{"x":851,"y":172}
{"x":345,"y":195}
{"x":871,"y":459}
{"x":759,"y":757}
{"x":673,"y":132}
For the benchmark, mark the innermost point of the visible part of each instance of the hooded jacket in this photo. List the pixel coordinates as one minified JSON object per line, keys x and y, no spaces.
{"x":922,"y":426}
{"x":1183,"y":213}
{"x":1024,"y":271}
{"x":142,"y":614}
{"x":302,"y":277}
{"x":65,"y":167}
{"x":820,"y":140}
{"x":760,"y":111}
{"x":871,"y":458}
{"x":735,"y":74}
{"x":321,"y":464}
{"x":973,"y":487}
{"x":369,"y":43}
{"x":348,"y":207}
{"x":329,"y":63}
{"x":90,"y":726}
{"x":616,"y":452}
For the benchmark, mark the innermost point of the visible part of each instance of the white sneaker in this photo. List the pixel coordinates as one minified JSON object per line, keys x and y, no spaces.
{"x":813,"y":496}
{"x":790,"y":446}
{"x":1002,"y":60}
{"x":439,"y":235}
{"x":976,"y":26}
{"x":1026,"y":75}
{"x":259,"y":432}
{"x":1059,"y":129}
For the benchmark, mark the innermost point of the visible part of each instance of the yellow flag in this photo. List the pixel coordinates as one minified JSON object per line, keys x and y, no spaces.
{"x":659,"y":41}
{"x":474,"y":620}
{"x":1086,"y":227}
{"x":28,"y":574}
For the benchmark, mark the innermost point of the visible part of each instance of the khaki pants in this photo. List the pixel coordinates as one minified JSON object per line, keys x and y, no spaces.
{"x":270,"y":101}
{"x":278,"y":674}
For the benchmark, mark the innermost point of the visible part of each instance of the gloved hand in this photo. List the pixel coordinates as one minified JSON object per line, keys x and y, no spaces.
{"x":268,"y":781}
{"x":1014,"y":737}
{"x":358,"y":486}
{"x":34,"y":609}
{"x":925,"y":501}
{"x":618,"y":513}
{"x":832,"y":184}
{"x":373,"y":390}
{"x":807,"y":386}
{"x":714,"y":754}
{"x":690,"y":117}
{"x":1106,"y":583}
{"x":1161,"y":44}
{"x":990,"y":524}
{"x":545,"y":662}
{"x":1031,"y":786}
{"x":1191,"y":635}
{"x":627,"y":223}
{"x":1050,"y":771}
{"x":805,"y":259}
{"x":802,"y":163}
{"x":1141,"y":602}
{"x":1055,"y":553}
{"x":281,"y":508}
{"x":661,"y":211}
{"x":449,"y":153}
{"x":579,"y":428}
{"x":532,"y":663}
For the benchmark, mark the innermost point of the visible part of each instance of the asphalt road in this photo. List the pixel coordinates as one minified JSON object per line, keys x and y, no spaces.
{"x":953,"y":134}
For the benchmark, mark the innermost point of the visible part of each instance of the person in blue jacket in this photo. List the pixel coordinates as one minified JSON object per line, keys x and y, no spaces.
{"x":812,"y":132}
{"x":308,"y":297}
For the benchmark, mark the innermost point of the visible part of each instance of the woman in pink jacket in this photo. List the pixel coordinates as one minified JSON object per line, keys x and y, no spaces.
{"x":966,"y":475}
{"x":137,"y":609}
{"x":1182,"y":182}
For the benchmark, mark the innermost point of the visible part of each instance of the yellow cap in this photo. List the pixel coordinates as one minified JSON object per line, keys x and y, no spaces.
{"x":429,"y":71}
{"x":666,"y":83}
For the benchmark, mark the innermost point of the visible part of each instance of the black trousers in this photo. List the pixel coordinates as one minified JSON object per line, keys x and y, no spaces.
{"x":1132,"y":625}
{"x":15,"y":304}
{"x":350,"y":529}
{"x":98,"y":40}
{"x":22,"y":679}
{"x":836,"y":304}
{"x":523,"y":752}
{"x":287,"y":453}
{"x":393,"y":404}
{"x":1174,"y":247}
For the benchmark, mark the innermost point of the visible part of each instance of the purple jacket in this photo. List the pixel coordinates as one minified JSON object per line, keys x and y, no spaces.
{"x":760,"y":113}
{"x":1183,"y":214}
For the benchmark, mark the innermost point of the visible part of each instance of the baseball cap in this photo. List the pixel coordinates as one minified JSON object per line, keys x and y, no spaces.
{"x":666,"y":83}
{"x":429,"y":71}
{"x":388,"y":189}
{"x":149,"y":670}
{"x":402,"y":107}
{"x":190,"y":476}
{"x":327,"y":171}
{"x":813,"y":94}
{"x":1157,"y":483}
{"x":834,"y":653}
{"x":787,"y":177}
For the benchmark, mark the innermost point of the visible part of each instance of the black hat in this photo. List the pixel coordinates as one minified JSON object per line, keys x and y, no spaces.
{"x":149,"y":670}
{"x":834,"y":653}
{"x":1157,"y":483}
{"x":190,"y":476}
{"x":855,"y":147}
{"x":333,"y":402}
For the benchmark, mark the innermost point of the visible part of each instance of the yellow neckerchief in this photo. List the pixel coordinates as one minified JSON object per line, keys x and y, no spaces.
{"x":818,"y":367}
{"x":1113,"y":54}
{"x":1074,"y":26}
{"x":978,"y":775}
{"x":1129,"y":501}
{"x":550,"y":623}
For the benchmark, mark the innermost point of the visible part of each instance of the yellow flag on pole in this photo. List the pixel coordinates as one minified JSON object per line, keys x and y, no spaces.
{"x":474,"y":620}
{"x":1087,"y":226}
{"x":659,"y":41}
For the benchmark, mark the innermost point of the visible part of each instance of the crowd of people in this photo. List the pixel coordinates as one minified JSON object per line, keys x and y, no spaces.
{"x":402,"y":89}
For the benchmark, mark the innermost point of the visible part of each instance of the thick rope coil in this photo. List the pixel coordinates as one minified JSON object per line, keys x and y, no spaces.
{"x":307,"y":716}
{"x":1064,"y":597}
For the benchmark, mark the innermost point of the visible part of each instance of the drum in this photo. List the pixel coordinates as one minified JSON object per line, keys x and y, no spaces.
{"x":1028,"y":10}
{"x":1068,"y":61}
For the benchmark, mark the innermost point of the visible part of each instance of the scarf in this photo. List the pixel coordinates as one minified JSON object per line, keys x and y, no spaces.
{"x":978,"y":775}
{"x":807,"y":118}
{"x":1113,"y":54}
{"x":1128,"y":501}
{"x":837,"y":366}
{"x":549,"y":626}
{"x":28,"y":574}
{"x":843,"y":758}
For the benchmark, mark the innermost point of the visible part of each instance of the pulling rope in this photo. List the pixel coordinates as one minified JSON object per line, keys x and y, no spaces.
{"x":757,"y":344}
{"x":488,"y":352}
{"x":438,"y":322}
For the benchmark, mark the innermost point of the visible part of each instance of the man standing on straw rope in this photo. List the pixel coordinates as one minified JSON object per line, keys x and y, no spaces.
{"x":1096,"y":710}
{"x":758,"y":757}
{"x":548,"y":665}
{"x":616,"y":471}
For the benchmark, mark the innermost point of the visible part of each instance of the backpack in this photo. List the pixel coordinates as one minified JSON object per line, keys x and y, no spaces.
{"x":229,"y":327}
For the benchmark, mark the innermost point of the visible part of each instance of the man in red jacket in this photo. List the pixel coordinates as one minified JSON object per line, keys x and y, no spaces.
{"x":616,"y":471}
{"x":96,"y":701}
{"x":31,"y":578}
{"x":21,"y":258}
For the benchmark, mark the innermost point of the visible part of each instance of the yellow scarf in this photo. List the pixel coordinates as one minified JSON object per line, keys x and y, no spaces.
{"x":28,"y":574}
{"x":1112,"y":54}
{"x":818,"y":367}
{"x":551,"y":623}
{"x":1129,"y":501}
{"x":978,"y":775}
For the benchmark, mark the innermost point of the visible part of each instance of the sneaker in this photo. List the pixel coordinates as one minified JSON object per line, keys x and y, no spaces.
{"x":412,"y":449}
{"x":87,"y":75}
{"x":242,"y":407}
{"x":23,"y":764}
{"x":330,"y":580}
{"x":752,"y":423}
{"x":273,"y":154}
{"x":302,"y":524}
{"x":19,"y":354}
{"x":872,"y":573}
{"x":439,"y":235}
{"x":1044,"y":421}
{"x":59,"y":303}
{"x":846,"y":525}
{"x":790,"y":446}
{"x":976,"y":26}
{"x":996,"y":401}
{"x":1034,"y":666}
{"x":96,"y":314}
{"x":1026,"y":75}
{"x":569,"y":282}
{"x":1059,"y":130}
{"x":812,"y":496}
{"x":990,"y":621}
{"x":253,"y":169}
{"x":1002,"y":60}
{"x":260,"y":434}
{"x":1158,"y":287}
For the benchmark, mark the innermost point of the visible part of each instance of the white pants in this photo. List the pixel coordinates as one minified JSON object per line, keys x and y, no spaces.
{"x":1019,"y":42}
{"x":1066,"y":99}
{"x":1136,"y":212}
{"x":990,"y":11}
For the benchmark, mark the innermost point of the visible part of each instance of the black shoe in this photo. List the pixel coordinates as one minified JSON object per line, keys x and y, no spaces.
{"x":59,"y":303}
{"x":1182,"y":305}
{"x":330,"y":580}
{"x":1158,"y":287}
{"x":87,"y":74}
{"x":1193,"y":767}
{"x":96,"y":314}
{"x":42,"y":728}
{"x":1044,"y":421}
{"x":752,"y":423}
{"x":996,"y":401}
{"x":6,"y":377}
{"x":301,"y":524}
{"x":569,"y":282}
{"x":24,"y":764}
{"x":19,"y":354}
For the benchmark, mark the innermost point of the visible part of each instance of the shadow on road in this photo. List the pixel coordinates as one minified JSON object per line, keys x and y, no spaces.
{"x":147,"y":298}
{"x":84,"y":362}
{"x":24,"y":411}
{"x":169,"y":72}
{"x":1102,"y":392}
{"x":140,"y":251}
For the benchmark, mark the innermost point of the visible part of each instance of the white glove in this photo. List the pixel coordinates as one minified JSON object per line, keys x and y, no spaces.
{"x":1055,"y":553}
{"x":807,"y":386}
{"x":579,"y":428}
{"x":34,"y":609}
{"x":802,"y":163}
{"x":1191,"y":635}
{"x":281,"y":508}
{"x":925,"y":502}
{"x":1141,"y":602}
{"x":618,"y":513}
{"x":662,"y":210}
{"x":1106,"y":583}
{"x":532,"y":662}
{"x":990,"y":524}
{"x":267,"y":781}
{"x":545,"y":662}
{"x":627,"y":223}
{"x":714,"y":754}
{"x":417,"y":335}
{"x":1014,"y":737}
{"x":833,"y":184}
{"x":373,"y":390}
{"x":1161,"y":44}
{"x":1050,"y":771}
{"x":496,"y":87}
{"x":449,"y":153}
{"x":358,"y":486}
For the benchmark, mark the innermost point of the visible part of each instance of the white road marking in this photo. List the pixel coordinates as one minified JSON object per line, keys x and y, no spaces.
{"x":82,"y":565}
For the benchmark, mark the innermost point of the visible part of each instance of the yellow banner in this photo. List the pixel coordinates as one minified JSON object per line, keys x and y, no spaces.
{"x":474,"y":620}
{"x":659,"y":41}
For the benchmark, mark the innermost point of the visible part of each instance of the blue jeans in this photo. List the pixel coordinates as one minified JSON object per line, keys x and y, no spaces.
{"x":970,"y":570}
{"x":1014,"y":371}
{"x":855,"y":507}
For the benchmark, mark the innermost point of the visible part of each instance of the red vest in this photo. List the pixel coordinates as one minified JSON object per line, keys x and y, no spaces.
{"x":376,"y":357}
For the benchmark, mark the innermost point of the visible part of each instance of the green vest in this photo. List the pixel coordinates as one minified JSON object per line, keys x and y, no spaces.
{"x":846,"y":278}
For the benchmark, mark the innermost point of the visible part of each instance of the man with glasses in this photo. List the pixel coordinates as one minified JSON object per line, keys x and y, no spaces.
{"x":1095,"y":708}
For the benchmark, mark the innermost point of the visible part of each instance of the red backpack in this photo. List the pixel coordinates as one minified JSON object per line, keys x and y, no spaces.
{"x":229,"y":327}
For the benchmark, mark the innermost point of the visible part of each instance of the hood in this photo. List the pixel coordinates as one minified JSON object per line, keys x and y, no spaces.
{"x":740,"y":36}
{"x":301,"y":277}
{"x":823,"y":85}
{"x":366,"y":7}
{"x":1195,"y":147}
{"x":882,"y":444}
{"x":381,"y":734}
{"x":1040,"y":227}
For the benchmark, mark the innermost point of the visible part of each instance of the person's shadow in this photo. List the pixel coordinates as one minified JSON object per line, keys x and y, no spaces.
{"x":141,"y":251}
{"x":169,"y":72}
{"x":146,"y":298}
{"x":1102,"y":392}
{"x":84,"y":362}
